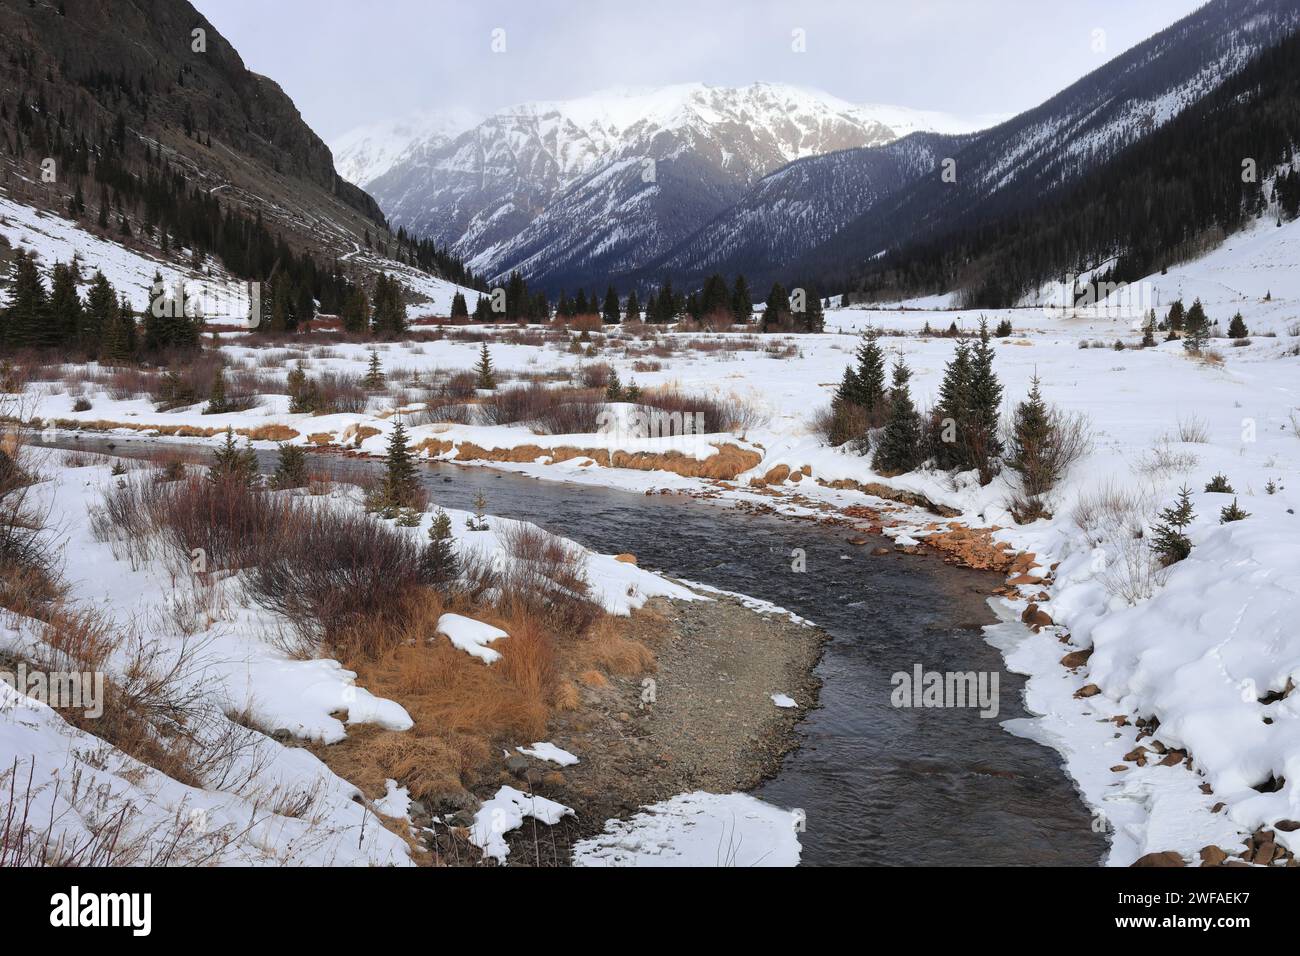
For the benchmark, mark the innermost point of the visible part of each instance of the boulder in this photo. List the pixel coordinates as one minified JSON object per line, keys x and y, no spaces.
{"x":1167,"y":858}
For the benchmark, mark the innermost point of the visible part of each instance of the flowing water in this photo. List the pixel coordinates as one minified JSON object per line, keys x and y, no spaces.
{"x":879,"y":784}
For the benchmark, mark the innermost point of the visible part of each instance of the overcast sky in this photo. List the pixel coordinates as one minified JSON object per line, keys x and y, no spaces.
{"x":351,"y":62}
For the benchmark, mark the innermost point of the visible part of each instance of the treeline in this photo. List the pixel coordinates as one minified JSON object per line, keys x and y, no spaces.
{"x":873,"y":413}
{"x":718,"y":301}
{"x":1202,"y":175}
{"x":103,"y":326}
{"x":135,"y":193}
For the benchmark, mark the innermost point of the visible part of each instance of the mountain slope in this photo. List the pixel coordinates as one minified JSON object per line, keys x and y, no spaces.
{"x":568,"y":191}
{"x":790,"y":211}
{"x":1018,"y":163}
{"x":138,"y":121}
{"x":1166,"y":198}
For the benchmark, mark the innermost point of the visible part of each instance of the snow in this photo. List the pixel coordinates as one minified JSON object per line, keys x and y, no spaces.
{"x":698,"y":829}
{"x":471,"y":636}
{"x":784,"y":701}
{"x":550,"y":752}
{"x":396,"y":803}
{"x":505,"y":812}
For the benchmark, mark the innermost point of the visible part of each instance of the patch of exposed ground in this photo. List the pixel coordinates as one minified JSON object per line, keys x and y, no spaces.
{"x":712,"y":724}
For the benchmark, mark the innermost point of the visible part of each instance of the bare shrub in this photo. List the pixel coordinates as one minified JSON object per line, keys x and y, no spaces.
{"x":545,"y":577}
{"x":1114,"y":519}
{"x":1193,"y":431}
{"x":341,"y":394}
{"x":840,"y":422}
{"x":579,"y":416}
{"x":594,"y":375}
{"x":1162,"y":459}
{"x":728,"y":413}
{"x":324,"y":569}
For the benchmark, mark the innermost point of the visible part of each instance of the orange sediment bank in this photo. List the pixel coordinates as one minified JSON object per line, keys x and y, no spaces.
{"x":726,"y":463}
{"x":260,"y":433}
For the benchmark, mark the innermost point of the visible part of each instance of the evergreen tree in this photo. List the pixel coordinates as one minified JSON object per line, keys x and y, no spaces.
{"x":813,"y":319}
{"x":614,"y":388}
{"x":120,"y":336}
{"x":953,"y":409}
{"x":1232,"y":512}
{"x":633,"y":307}
{"x":1031,"y":436}
{"x":101,"y":306}
{"x":400,"y":485}
{"x":869,"y":378}
{"x":26,"y":318}
{"x":1167,"y":537}
{"x":374,"y":380}
{"x":1196,"y":328}
{"x":65,"y":308}
{"x":486,"y":376}
{"x":899,"y":450}
{"x":291,"y":469}
{"x":390,"y":311}
{"x":234,"y":464}
{"x":1174,"y":320}
{"x":742,"y":305}
{"x":304,"y":396}
{"x":1149,"y":330}
{"x":777,"y":308}
{"x":980,"y":432}
{"x":439,"y":564}
{"x":1237,"y":327}
{"x":217,"y":404}
{"x":610,"y":310}
{"x":459,"y":310}
{"x":356,"y":312}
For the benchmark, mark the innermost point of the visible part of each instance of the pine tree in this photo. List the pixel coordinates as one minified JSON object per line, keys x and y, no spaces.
{"x":1174,"y":320}
{"x":1149,"y":330}
{"x":1237,"y":327}
{"x":26,"y":317}
{"x":742,"y":305}
{"x":304,"y":396}
{"x":399,"y":470}
{"x":953,"y":409}
{"x":1167,"y":537}
{"x":1196,"y":328}
{"x":614,"y":389}
{"x":439,"y":565}
{"x":1232,"y":512}
{"x":869,"y":378}
{"x":983,"y":447}
{"x":101,"y":305}
{"x":610,"y":310}
{"x":65,"y":308}
{"x":291,"y":469}
{"x":356,"y":312}
{"x":777,"y":308}
{"x":217,"y":404}
{"x":374,"y":379}
{"x":899,"y":450}
{"x":459,"y":310}
{"x":633,"y":307}
{"x":234,"y":464}
{"x":486,"y":376}
{"x":1031,"y":435}
{"x":390,"y":311}
{"x":120,"y":337}
{"x":814,"y":319}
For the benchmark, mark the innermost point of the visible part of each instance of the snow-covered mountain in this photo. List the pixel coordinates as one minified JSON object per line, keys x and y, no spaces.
{"x":606,"y":183}
{"x":1021,"y":162}
{"x":365,"y":153}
